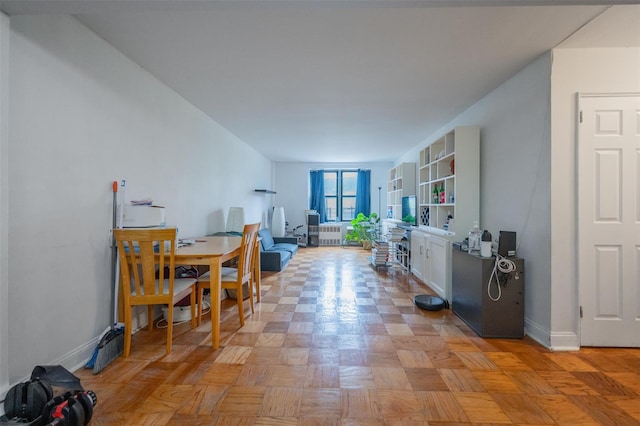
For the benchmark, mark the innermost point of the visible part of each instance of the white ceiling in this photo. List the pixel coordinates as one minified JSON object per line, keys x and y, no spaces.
{"x":343,"y":81}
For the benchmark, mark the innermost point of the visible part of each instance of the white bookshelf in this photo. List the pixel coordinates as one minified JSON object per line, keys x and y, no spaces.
{"x":401,"y":182}
{"x":451,"y":162}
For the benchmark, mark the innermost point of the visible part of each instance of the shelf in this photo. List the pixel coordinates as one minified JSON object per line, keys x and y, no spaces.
{"x":265,"y":191}
{"x":401,"y":181}
{"x":450,"y":163}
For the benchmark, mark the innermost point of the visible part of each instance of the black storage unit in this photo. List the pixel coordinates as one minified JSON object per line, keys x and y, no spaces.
{"x":313,"y":225}
{"x":503,"y":318}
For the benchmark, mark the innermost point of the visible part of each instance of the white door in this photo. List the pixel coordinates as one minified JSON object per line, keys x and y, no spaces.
{"x":609,"y":220}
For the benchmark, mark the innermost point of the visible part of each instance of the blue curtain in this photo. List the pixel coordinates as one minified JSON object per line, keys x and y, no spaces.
{"x":317,"y":193}
{"x":363,"y":192}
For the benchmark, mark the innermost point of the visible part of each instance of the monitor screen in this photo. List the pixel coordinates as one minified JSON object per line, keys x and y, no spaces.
{"x":409,"y":212}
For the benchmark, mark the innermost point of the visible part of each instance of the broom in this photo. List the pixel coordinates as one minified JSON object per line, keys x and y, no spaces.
{"x":111,"y":344}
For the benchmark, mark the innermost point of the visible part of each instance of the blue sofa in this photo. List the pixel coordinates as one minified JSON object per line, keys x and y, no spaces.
{"x":276,"y":252}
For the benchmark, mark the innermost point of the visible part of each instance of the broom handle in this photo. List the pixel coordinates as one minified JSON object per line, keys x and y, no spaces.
{"x":118,"y":218}
{"x":115,"y":267}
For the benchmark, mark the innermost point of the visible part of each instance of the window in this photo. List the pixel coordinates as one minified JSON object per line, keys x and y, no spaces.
{"x":340,"y":194}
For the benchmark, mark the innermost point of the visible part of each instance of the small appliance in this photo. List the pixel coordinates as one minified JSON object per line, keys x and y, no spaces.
{"x":507,"y":244}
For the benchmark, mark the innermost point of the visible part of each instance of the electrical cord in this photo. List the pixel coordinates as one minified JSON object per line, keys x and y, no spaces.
{"x":503,"y":265}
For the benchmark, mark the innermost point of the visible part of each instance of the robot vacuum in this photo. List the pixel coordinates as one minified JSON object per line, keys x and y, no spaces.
{"x":429,"y":303}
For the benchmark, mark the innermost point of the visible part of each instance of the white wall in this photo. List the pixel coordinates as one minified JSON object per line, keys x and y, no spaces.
{"x":81,"y":116}
{"x":528,"y":173}
{"x":515,"y":193}
{"x":587,"y":71}
{"x":292,"y":184}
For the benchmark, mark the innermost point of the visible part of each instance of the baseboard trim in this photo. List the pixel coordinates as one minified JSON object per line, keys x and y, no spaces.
{"x":554,"y":341}
{"x":77,"y":358}
{"x":564,"y":341}
{"x":537,"y":333}
{"x":72,"y":361}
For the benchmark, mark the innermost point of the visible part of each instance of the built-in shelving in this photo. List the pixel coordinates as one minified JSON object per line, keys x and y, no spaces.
{"x":449,"y":182}
{"x":401,"y":182}
{"x":451,"y":165}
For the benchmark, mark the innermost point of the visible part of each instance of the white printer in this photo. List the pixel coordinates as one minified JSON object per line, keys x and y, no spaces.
{"x":143,"y":216}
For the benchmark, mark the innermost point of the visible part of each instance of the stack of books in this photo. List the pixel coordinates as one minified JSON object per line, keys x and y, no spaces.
{"x":380,"y":254}
{"x":397,"y":234}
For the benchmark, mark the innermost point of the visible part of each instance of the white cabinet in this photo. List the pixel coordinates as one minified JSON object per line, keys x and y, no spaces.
{"x":438,"y":265}
{"x":449,"y":182}
{"x":418,"y":254}
{"x":431,"y":261}
{"x":448,"y":201}
{"x":401,"y":182}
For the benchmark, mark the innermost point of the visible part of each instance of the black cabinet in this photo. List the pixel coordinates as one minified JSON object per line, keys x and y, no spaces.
{"x":313,"y":225}
{"x":475,"y":289}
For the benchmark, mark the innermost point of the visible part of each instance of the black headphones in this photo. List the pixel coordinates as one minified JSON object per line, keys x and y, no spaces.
{"x":26,"y":400}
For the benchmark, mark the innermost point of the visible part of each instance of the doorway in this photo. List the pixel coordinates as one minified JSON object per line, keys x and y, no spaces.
{"x":608,"y":205}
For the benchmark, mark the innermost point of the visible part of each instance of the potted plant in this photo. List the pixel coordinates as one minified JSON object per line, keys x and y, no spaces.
{"x":364,"y":229}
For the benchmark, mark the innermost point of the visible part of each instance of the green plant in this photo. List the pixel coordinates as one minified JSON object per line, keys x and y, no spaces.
{"x":409,"y":218}
{"x":364,"y":228}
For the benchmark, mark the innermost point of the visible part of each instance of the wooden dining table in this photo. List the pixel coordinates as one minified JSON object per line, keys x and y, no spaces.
{"x":212,"y":251}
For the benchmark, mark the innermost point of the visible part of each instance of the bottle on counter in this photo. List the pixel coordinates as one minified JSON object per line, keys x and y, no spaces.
{"x":448,"y":223}
{"x":485,"y":244}
{"x":474,"y":238}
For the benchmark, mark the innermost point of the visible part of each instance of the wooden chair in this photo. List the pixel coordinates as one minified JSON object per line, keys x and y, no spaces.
{"x":235,"y":278}
{"x":147,"y":271}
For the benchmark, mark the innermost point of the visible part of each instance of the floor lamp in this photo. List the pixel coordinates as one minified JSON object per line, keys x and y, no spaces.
{"x":278,"y":223}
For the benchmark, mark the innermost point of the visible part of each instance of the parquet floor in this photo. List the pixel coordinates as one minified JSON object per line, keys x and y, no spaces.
{"x":334,"y":342}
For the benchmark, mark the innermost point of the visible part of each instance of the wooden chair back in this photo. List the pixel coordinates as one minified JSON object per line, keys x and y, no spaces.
{"x":247,"y":251}
{"x":142,"y":258}
{"x":234,"y":278}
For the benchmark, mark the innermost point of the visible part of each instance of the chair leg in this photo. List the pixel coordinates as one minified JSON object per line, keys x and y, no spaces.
{"x":239,"y":297}
{"x":201,"y":289}
{"x":256,"y":281}
{"x":250,"y":285}
{"x":169,"y":329}
{"x":199,"y":301}
{"x":192,"y":299}
{"x":127,"y":330}
{"x":150,"y":317}
{"x":256,"y":270}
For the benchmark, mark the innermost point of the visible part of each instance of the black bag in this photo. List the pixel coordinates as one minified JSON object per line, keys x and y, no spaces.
{"x":60,"y":379}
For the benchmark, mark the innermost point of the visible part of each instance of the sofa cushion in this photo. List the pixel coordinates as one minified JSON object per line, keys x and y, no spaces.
{"x":266,"y":239}
{"x":274,"y":260}
{"x":291,"y":248}
{"x":275,"y":253}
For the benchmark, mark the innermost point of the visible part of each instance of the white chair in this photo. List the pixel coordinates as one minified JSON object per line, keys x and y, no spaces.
{"x":235,"y":220}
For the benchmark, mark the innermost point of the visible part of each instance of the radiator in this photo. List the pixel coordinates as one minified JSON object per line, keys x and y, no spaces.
{"x":330,"y":235}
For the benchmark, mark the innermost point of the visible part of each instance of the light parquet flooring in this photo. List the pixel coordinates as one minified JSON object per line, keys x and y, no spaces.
{"x":334,"y":342}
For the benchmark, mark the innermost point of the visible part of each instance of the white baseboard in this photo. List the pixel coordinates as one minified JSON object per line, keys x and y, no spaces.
{"x":555,"y":341}
{"x":72,"y":361}
{"x":564,"y":341}
{"x":537,"y":333}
